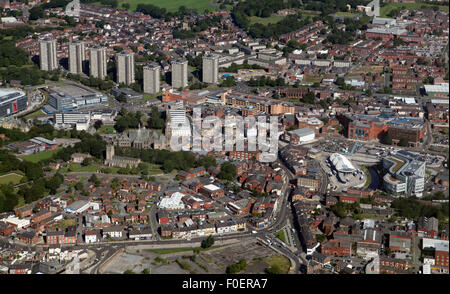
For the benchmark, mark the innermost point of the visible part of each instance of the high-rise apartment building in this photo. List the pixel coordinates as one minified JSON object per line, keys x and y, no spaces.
{"x":47,"y":52}
{"x":97,"y":62}
{"x":210,"y":69}
{"x":179,"y":73}
{"x":151,"y":78}
{"x":125,"y":67}
{"x":77,"y":57}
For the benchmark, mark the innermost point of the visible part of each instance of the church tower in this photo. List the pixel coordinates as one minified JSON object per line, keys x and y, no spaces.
{"x":109,"y":152}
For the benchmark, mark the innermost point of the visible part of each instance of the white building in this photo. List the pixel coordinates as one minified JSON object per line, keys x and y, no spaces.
{"x":172,"y":202}
{"x":300,"y":136}
{"x":81,"y":206}
{"x":179,"y":126}
{"x":428,"y":243}
{"x":113,"y":232}
{"x":90,"y":237}
{"x":17,"y":222}
{"x":341,"y":163}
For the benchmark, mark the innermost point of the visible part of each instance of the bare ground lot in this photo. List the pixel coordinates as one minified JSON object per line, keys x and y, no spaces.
{"x":213,"y":261}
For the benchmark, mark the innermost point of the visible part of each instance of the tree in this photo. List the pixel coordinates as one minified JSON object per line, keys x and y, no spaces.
{"x":208,"y":242}
{"x":36,"y":13}
{"x":387,"y":139}
{"x":339,"y":209}
{"x":274,"y":270}
{"x":321,"y":237}
{"x":237,"y":267}
{"x":403,"y":142}
{"x":54,"y":182}
{"x":340,"y":81}
{"x":389,"y":252}
{"x":126,"y":6}
{"x":207,"y":161}
{"x":93,"y":178}
{"x":168,"y":165}
{"x":129,"y":272}
{"x":33,"y":171}
{"x":156,"y":121}
{"x":86,"y":161}
{"x":228,"y":82}
{"x":145,"y":271}
{"x":98,"y":124}
{"x":78,"y":186}
{"x":227,"y":171}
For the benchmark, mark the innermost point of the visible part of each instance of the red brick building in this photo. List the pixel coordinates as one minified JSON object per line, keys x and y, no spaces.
{"x":41,"y":215}
{"x":56,"y":237}
{"x":441,"y":256}
{"x":337,"y":248}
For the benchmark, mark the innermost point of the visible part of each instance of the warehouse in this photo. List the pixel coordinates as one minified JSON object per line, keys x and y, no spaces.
{"x":299,"y":136}
{"x":437,"y":90}
{"x":81,"y":206}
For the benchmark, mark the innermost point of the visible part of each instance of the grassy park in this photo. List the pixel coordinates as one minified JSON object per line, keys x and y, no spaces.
{"x":281,"y":235}
{"x":76,"y":167}
{"x":106,"y":130}
{"x":36,"y":157}
{"x":384,"y":11}
{"x":346,"y":14}
{"x":171,"y":5}
{"x":265,"y":20}
{"x":279,"y":261}
{"x":12,"y":177}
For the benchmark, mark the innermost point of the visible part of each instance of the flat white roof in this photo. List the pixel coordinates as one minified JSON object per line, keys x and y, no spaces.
{"x":302,"y":132}
{"x":442,"y":88}
{"x":172,"y":202}
{"x":212,"y":187}
{"x":17,"y":221}
{"x":439,"y":101}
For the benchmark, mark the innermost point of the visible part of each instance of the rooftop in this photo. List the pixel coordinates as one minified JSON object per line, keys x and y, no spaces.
{"x":341,"y":163}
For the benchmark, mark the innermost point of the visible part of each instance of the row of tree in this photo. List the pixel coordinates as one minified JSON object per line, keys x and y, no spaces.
{"x":128,"y":120}
{"x":235,"y":67}
{"x":157,"y":12}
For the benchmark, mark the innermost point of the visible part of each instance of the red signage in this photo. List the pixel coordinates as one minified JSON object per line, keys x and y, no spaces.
{"x":15,"y":106}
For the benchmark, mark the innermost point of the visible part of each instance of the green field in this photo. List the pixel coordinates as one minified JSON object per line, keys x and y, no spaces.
{"x":346,"y":14}
{"x":281,"y":261}
{"x":266,"y":20}
{"x":36,"y":157}
{"x":171,"y":5}
{"x":410,"y":6}
{"x":76,"y":167}
{"x":35,"y":114}
{"x":170,"y":250}
{"x":11,"y":177}
{"x":281,"y":235}
{"x":106,"y":130}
